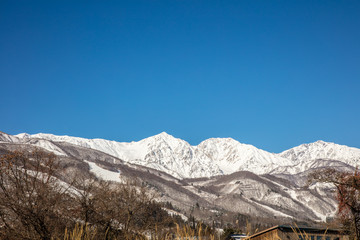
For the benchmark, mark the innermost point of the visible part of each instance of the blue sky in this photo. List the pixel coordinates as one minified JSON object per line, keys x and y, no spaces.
{"x":274,"y":74}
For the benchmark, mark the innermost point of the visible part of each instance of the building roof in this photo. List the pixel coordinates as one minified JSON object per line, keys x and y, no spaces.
{"x":289,"y":228}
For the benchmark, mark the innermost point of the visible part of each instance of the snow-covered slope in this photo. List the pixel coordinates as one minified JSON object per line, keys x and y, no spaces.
{"x":323,"y":150}
{"x":177,"y":156}
{"x":214,"y":156}
{"x":268,"y":196}
{"x":126,"y":151}
{"x":162,"y":152}
{"x":232,"y":156}
{"x":278,"y":193}
{"x":312,"y":164}
{"x":8,"y":138}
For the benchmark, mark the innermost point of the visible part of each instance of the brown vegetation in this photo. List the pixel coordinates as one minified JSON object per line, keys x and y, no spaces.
{"x":35,"y":204}
{"x":348,"y":196}
{"x":41,"y":199}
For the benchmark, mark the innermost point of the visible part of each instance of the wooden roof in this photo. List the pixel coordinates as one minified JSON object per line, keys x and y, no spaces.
{"x":288,"y":228}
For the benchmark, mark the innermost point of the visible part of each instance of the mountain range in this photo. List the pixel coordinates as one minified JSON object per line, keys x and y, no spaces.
{"x":214,"y":156}
{"x":221,"y":175}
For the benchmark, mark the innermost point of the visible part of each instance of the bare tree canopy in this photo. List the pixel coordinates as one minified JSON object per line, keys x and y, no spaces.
{"x":348,"y":195}
{"x":30,"y":195}
{"x":36,"y":202}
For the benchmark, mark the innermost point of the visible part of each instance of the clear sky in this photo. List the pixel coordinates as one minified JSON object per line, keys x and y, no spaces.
{"x":274,"y":74}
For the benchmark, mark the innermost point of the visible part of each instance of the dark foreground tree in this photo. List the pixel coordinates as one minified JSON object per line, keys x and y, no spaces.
{"x":37,"y":203}
{"x":31,"y":197}
{"x":120,"y":210}
{"x":348,"y":196}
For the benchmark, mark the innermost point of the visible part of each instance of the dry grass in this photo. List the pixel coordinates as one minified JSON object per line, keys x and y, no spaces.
{"x":187,"y":232}
{"x":81,"y":232}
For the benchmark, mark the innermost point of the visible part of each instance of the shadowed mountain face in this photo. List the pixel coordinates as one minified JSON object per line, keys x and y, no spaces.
{"x":236,"y":178}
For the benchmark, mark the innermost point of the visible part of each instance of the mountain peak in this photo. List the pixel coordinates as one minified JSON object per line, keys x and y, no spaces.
{"x":164,"y":134}
{"x":211,"y":157}
{"x":321,"y":142}
{"x":23,"y":135}
{"x":219,"y":140}
{"x":323,"y":150}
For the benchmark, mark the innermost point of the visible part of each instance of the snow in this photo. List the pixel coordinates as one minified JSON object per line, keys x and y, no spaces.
{"x":233,"y":156}
{"x":214,"y":156}
{"x":175,"y":213}
{"x":323,"y":150}
{"x":63,"y":186}
{"x":50,"y":147}
{"x":104,"y":174}
{"x":8,"y":138}
{"x":217,"y":156}
{"x":278,"y":213}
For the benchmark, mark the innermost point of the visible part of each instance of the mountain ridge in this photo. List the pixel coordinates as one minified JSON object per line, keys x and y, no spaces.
{"x":163,"y":163}
{"x":213,"y":156}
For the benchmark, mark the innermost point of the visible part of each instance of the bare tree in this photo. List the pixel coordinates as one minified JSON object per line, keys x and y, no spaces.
{"x":36,"y":204}
{"x":130,"y":209}
{"x":118,"y":210}
{"x":31,"y":197}
{"x":348,"y":195}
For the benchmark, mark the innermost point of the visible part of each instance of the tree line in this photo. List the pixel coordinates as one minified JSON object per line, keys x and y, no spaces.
{"x":36,"y":202}
{"x":40,"y":200}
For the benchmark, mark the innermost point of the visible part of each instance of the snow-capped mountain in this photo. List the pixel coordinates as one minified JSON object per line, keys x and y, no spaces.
{"x":162,"y":152}
{"x":214,"y":156}
{"x":232,"y":156}
{"x":323,"y":150}
{"x":8,"y":138}
{"x":240,"y":177}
